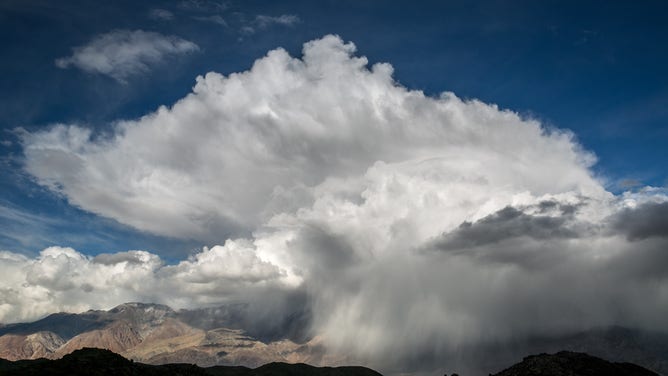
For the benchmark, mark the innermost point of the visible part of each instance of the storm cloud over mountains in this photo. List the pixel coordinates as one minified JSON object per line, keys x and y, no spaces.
{"x":439,"y":221}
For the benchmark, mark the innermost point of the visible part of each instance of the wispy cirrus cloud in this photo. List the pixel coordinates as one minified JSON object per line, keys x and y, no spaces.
{"x":261,"y":22}
{"x":14,"y":221}
{"x":160,"y":14}
{"x":121,"y":54}
{"x":203,"y":5}
{"x":215,"y":18}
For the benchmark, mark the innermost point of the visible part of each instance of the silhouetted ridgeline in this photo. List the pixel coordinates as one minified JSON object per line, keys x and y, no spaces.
{"x":99,"y":362}
{"x":566,"y":363}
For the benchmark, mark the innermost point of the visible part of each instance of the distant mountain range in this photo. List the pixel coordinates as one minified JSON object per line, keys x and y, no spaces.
{"x":156,"y":334}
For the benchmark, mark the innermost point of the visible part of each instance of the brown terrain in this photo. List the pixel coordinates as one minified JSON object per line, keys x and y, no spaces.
{"x":153,"y":334}
{"x":30,"y":346}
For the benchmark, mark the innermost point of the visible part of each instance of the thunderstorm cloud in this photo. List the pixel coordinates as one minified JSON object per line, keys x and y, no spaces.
{"x":438,"y":221}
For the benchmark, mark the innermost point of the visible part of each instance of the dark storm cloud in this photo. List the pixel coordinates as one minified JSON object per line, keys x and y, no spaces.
{"x":276,"y":315}
{"x":325,"y":250}
{"x":645,"y":221}
{"x":510,"y":223}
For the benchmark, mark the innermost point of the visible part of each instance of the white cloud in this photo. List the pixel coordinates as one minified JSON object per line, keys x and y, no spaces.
{"x":242,"y":148}
{"x":62,"y":279}
{"x":436,"y":220}
{"x":124,"y":53}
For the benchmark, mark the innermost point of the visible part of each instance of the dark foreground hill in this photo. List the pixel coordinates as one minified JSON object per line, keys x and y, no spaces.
{"x":566,"y":363}
{"x":99,"y":362}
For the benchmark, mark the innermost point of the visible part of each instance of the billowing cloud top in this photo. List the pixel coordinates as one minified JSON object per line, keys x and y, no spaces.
{"x":62,"y":279}
{"x":124,"y":53}
{"x":436,"y":221}
{"x":242,"y":148}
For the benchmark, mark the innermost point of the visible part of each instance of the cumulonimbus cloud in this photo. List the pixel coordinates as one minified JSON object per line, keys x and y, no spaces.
{"x":121,"y":54}
{"x":434,"y":220}
{"x":243,"y":148}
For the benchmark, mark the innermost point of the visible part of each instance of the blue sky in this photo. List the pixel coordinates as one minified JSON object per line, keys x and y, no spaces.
{"x":596,"y":68}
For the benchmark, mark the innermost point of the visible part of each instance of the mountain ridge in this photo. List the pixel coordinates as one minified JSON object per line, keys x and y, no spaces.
{"x":102,"y":362}
{"x":569,"y":363}
{"x":152,"y":333}
{"x":157,"y":334}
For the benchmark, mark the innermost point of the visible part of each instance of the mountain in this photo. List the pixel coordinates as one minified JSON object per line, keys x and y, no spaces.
{"x":227,"y":335}
{"x":566,"y":363}
{"x":99,"y":362}
{"x":29,"y":346}
{"x":617,"y":344}
{"x":154,"y":334}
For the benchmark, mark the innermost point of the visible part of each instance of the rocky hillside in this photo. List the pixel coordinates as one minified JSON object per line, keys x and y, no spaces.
{"x":98,"y":362}
{"x":153,"y":334}
{"x":566,"y":363}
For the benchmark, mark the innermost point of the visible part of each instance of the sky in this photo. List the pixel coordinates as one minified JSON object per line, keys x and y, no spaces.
{"x":450,"y":173}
